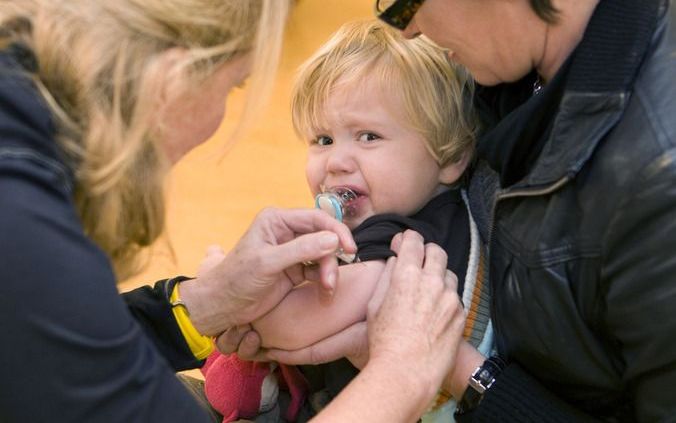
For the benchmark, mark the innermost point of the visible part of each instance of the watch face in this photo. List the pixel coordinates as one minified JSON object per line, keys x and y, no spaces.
{"x":485,"y":377}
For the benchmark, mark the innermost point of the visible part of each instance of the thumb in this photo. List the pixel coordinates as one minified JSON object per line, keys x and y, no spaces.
{"x":308,"y":247}
{"x":214,"y":256}
{"x":215,"y":249}
{"x":395,"y":244}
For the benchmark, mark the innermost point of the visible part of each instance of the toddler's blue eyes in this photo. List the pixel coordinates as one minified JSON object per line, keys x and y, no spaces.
{"x":368,"y":136}
{"x":323,"y":140}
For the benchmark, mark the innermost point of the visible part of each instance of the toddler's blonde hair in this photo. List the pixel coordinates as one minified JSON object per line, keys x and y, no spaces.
{"x":435,"y":94}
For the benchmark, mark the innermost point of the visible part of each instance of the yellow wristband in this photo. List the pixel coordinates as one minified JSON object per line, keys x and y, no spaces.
{"x":200,"y":345}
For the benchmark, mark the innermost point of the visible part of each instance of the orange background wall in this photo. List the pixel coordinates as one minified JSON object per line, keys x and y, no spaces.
{"x":213,"y":197}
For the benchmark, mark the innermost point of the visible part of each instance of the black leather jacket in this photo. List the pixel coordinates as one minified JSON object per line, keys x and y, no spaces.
{"x":583,"y":249}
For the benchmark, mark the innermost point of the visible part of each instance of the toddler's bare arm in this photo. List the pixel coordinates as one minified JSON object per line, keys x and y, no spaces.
{"x":307,"y":315}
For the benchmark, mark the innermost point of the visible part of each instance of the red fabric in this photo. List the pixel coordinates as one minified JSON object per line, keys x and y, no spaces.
{"x":233,"y":386}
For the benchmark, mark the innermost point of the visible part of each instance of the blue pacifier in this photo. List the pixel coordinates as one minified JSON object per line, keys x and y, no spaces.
{"x":335,"y":202}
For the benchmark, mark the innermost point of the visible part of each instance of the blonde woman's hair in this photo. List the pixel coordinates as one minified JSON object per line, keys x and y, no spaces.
{"x":435,"y":94}
{"x":99,"y":63}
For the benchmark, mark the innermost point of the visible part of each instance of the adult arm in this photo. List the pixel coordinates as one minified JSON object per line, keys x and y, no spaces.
{"x":261,"y":269}
{"x":640,"y":288}
{"x":152,"y":310}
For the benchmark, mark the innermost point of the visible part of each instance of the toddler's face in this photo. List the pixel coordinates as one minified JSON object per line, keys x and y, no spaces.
{"x":365,"y":146}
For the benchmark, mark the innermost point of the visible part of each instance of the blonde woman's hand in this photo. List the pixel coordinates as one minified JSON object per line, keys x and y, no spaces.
{"x":264,"y":265}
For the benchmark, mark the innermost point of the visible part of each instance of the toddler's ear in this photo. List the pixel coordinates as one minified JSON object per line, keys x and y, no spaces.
{"x":452,"y":171}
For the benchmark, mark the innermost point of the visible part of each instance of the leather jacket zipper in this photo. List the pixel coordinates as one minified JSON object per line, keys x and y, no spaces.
{"x":504,"y":194}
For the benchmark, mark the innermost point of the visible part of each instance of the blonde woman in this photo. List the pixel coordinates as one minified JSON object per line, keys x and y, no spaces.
{"x":97,"y":100}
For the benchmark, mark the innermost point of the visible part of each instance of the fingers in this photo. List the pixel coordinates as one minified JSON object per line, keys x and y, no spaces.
{"x":303,"y":221}
{"x":328,"y":272}
{"x":451,"y":281}
{"x":319,"y":248}
{"x":321,"y":236}
{"x":414,"y":256}
{"x":395,"y":244}
{"x":230,"y":340}
{"x":250,"y":347}
{"x":352,"y":341}
{"x":435,"y":260}
{"x":411,"y":250}
{"x":359,"y":354}
{"x":420,"y":321}
{"x":302,"y":235}
{"x":304,"y":248}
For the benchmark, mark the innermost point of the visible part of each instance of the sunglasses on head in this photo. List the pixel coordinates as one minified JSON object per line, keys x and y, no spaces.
{"x":397,"y":13}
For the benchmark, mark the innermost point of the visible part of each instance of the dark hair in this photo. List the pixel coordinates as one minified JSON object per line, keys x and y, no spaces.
{"x":545,"y":10}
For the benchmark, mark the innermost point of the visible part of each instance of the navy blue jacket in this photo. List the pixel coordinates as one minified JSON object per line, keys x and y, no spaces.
{"x":72,"y":349}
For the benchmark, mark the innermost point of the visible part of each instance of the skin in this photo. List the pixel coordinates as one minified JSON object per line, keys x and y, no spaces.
{"x":192,"y":116}
{"x":502,"y":41}
{"x":364,"y":145}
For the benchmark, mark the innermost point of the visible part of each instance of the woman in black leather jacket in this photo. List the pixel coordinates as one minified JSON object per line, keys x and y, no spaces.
{"x":97,"y":99}
{"x":575,"y":195}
